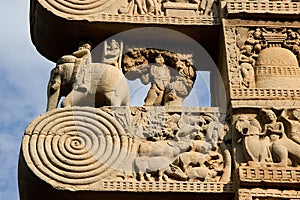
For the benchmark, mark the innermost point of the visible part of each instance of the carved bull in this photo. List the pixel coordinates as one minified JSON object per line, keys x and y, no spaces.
{"x":146,"y":165}
{"x":191,"y":159}
{"x":200,"y":173}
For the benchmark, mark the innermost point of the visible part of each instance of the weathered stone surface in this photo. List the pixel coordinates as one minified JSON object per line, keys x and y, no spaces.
{"x":89,"y":149}
{"x":155,"y":150}
{"x":57,"y":26}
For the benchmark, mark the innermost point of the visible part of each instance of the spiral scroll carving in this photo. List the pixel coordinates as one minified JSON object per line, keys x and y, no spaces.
{"x":75,"y":146}
{"x":78,"y":7}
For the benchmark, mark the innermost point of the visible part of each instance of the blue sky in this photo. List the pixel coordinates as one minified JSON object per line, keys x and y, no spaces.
{"x":24,"y":75}
{"x":23,"y":79}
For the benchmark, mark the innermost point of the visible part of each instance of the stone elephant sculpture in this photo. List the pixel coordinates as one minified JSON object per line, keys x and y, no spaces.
{"x":90,"y":84}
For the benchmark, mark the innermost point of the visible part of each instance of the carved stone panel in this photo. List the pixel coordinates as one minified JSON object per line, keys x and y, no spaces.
{"x":94,"y":149}
{"x":267,"y":148}
{"x":263,"y":65}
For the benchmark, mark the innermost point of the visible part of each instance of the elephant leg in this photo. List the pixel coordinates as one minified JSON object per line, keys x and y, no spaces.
{"x":67,"y":102}
{"x":77,"y":98}
{"x":112,"y":99}
{"x":126,"y":100}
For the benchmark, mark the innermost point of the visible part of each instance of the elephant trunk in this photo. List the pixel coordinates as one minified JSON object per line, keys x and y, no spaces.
{"x":53,"y":96}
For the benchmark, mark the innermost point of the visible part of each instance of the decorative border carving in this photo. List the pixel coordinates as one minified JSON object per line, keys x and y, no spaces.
{"x":166,"y":186}
{"x":249,"y":194}
{"x":140,"y":19}
{"x":286,"y":175}
{"x":265,"y":103}
{"x":109,"y":11}
{"x":255,"y":93}
{"x":261,"y":7}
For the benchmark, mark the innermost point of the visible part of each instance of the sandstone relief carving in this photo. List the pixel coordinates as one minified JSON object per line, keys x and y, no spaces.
{"x":193,"y":152}
{"x":268,"y":139}
{"x":171,"y":75}
{"x":268,"y":52}
{"x":169,"y":7}
{"x":263,"y":64}
{"x":84,"y":83}
{"x":150,"y":7}
{"x":89,"y":145}
{"x":113,"y":51}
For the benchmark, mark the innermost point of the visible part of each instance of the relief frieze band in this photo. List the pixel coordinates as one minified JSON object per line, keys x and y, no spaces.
{"x":140,"y":11}
{"x":246,"y":8}
{"x":267,"y":194}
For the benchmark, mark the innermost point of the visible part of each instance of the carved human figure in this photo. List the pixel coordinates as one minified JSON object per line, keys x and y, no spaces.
{"x":248,"y":75}
{"x":113,"y":53}
{"x":159,"y":77}
{"x":151,"y":7}
{"x":273,"y":128}
{"x":82,"y":66}
{"x":292,"y":42}
{"x":247,"y":61}
{"x":255,"y":40}
{"x":206,"y":7}
{"x":176,"y":92}
{"x":248,"y":55}
{"x":295,"y":125}
{"x":284,"y":151}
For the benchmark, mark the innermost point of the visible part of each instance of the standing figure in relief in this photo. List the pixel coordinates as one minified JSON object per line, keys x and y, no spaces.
{"x":159,"y":77}
{"x":295,"y":126}
{"x":113,"y":53}
{"x":83,"y":67}
{"x":247,"y":61}
{"x":293,"y":42}
{"x":142,"y":7}
{"x":206,"y":7}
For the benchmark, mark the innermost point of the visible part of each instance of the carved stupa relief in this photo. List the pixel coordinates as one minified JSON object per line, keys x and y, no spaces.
{"x":263,"y":64}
